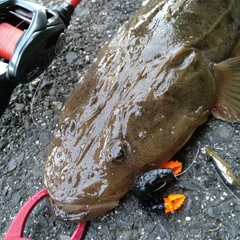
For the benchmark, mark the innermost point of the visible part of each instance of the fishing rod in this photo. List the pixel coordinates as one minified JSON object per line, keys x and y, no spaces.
{"x":31,"y":36}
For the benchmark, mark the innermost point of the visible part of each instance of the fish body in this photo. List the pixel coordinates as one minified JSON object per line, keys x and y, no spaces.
{"x":150,"y":87}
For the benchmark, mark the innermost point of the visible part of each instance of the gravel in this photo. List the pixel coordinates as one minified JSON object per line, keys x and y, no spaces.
{"x":210,"y":210}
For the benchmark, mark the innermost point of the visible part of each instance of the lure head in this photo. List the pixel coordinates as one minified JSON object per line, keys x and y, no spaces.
{"x":222,"y":168}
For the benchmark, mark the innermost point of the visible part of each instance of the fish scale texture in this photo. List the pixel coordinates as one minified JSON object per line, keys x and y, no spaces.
{"x":23,"y":148}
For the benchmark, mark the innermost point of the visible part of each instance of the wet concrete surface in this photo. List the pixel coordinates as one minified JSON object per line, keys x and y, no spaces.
{"x":210,"y":210}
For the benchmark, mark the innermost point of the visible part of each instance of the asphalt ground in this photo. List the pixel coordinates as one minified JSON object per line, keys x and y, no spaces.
{"x":210,"y":210}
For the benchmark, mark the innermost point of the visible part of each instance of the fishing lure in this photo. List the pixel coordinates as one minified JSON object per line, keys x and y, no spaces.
{"x":222,"y":168}
{"x":147,"y":188}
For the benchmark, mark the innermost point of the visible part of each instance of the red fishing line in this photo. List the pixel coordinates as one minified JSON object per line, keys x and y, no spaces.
{"x":9,"y":36}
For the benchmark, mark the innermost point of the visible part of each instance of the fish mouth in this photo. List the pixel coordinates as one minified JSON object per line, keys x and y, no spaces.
{"x":79,"y":212}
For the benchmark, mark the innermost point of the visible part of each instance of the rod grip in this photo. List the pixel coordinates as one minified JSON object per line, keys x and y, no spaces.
{"x":6,"y":89}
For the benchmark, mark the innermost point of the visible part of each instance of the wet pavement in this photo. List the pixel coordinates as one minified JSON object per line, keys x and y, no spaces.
{"x":210,"y":211}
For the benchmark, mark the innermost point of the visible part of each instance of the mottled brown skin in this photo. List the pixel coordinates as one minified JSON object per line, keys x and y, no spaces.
{"x":149,"y":89}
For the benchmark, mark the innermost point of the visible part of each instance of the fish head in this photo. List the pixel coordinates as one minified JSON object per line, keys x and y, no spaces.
{"x":87,"y":172}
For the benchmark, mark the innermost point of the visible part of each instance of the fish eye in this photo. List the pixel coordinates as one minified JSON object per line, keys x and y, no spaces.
{"x":117,"y":152}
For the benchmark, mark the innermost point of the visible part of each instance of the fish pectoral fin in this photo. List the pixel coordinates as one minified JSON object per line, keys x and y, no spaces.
{"x":227,"y":105}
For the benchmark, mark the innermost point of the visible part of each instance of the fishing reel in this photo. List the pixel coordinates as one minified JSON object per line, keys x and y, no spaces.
{"x":30,"y":38}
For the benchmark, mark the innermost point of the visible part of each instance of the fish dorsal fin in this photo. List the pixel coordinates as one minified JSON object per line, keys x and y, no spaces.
{"x":227,"y":73}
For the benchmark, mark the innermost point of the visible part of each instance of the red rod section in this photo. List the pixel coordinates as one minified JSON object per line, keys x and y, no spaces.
{"x":9,"y":36}
{"x":74,"y":2}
